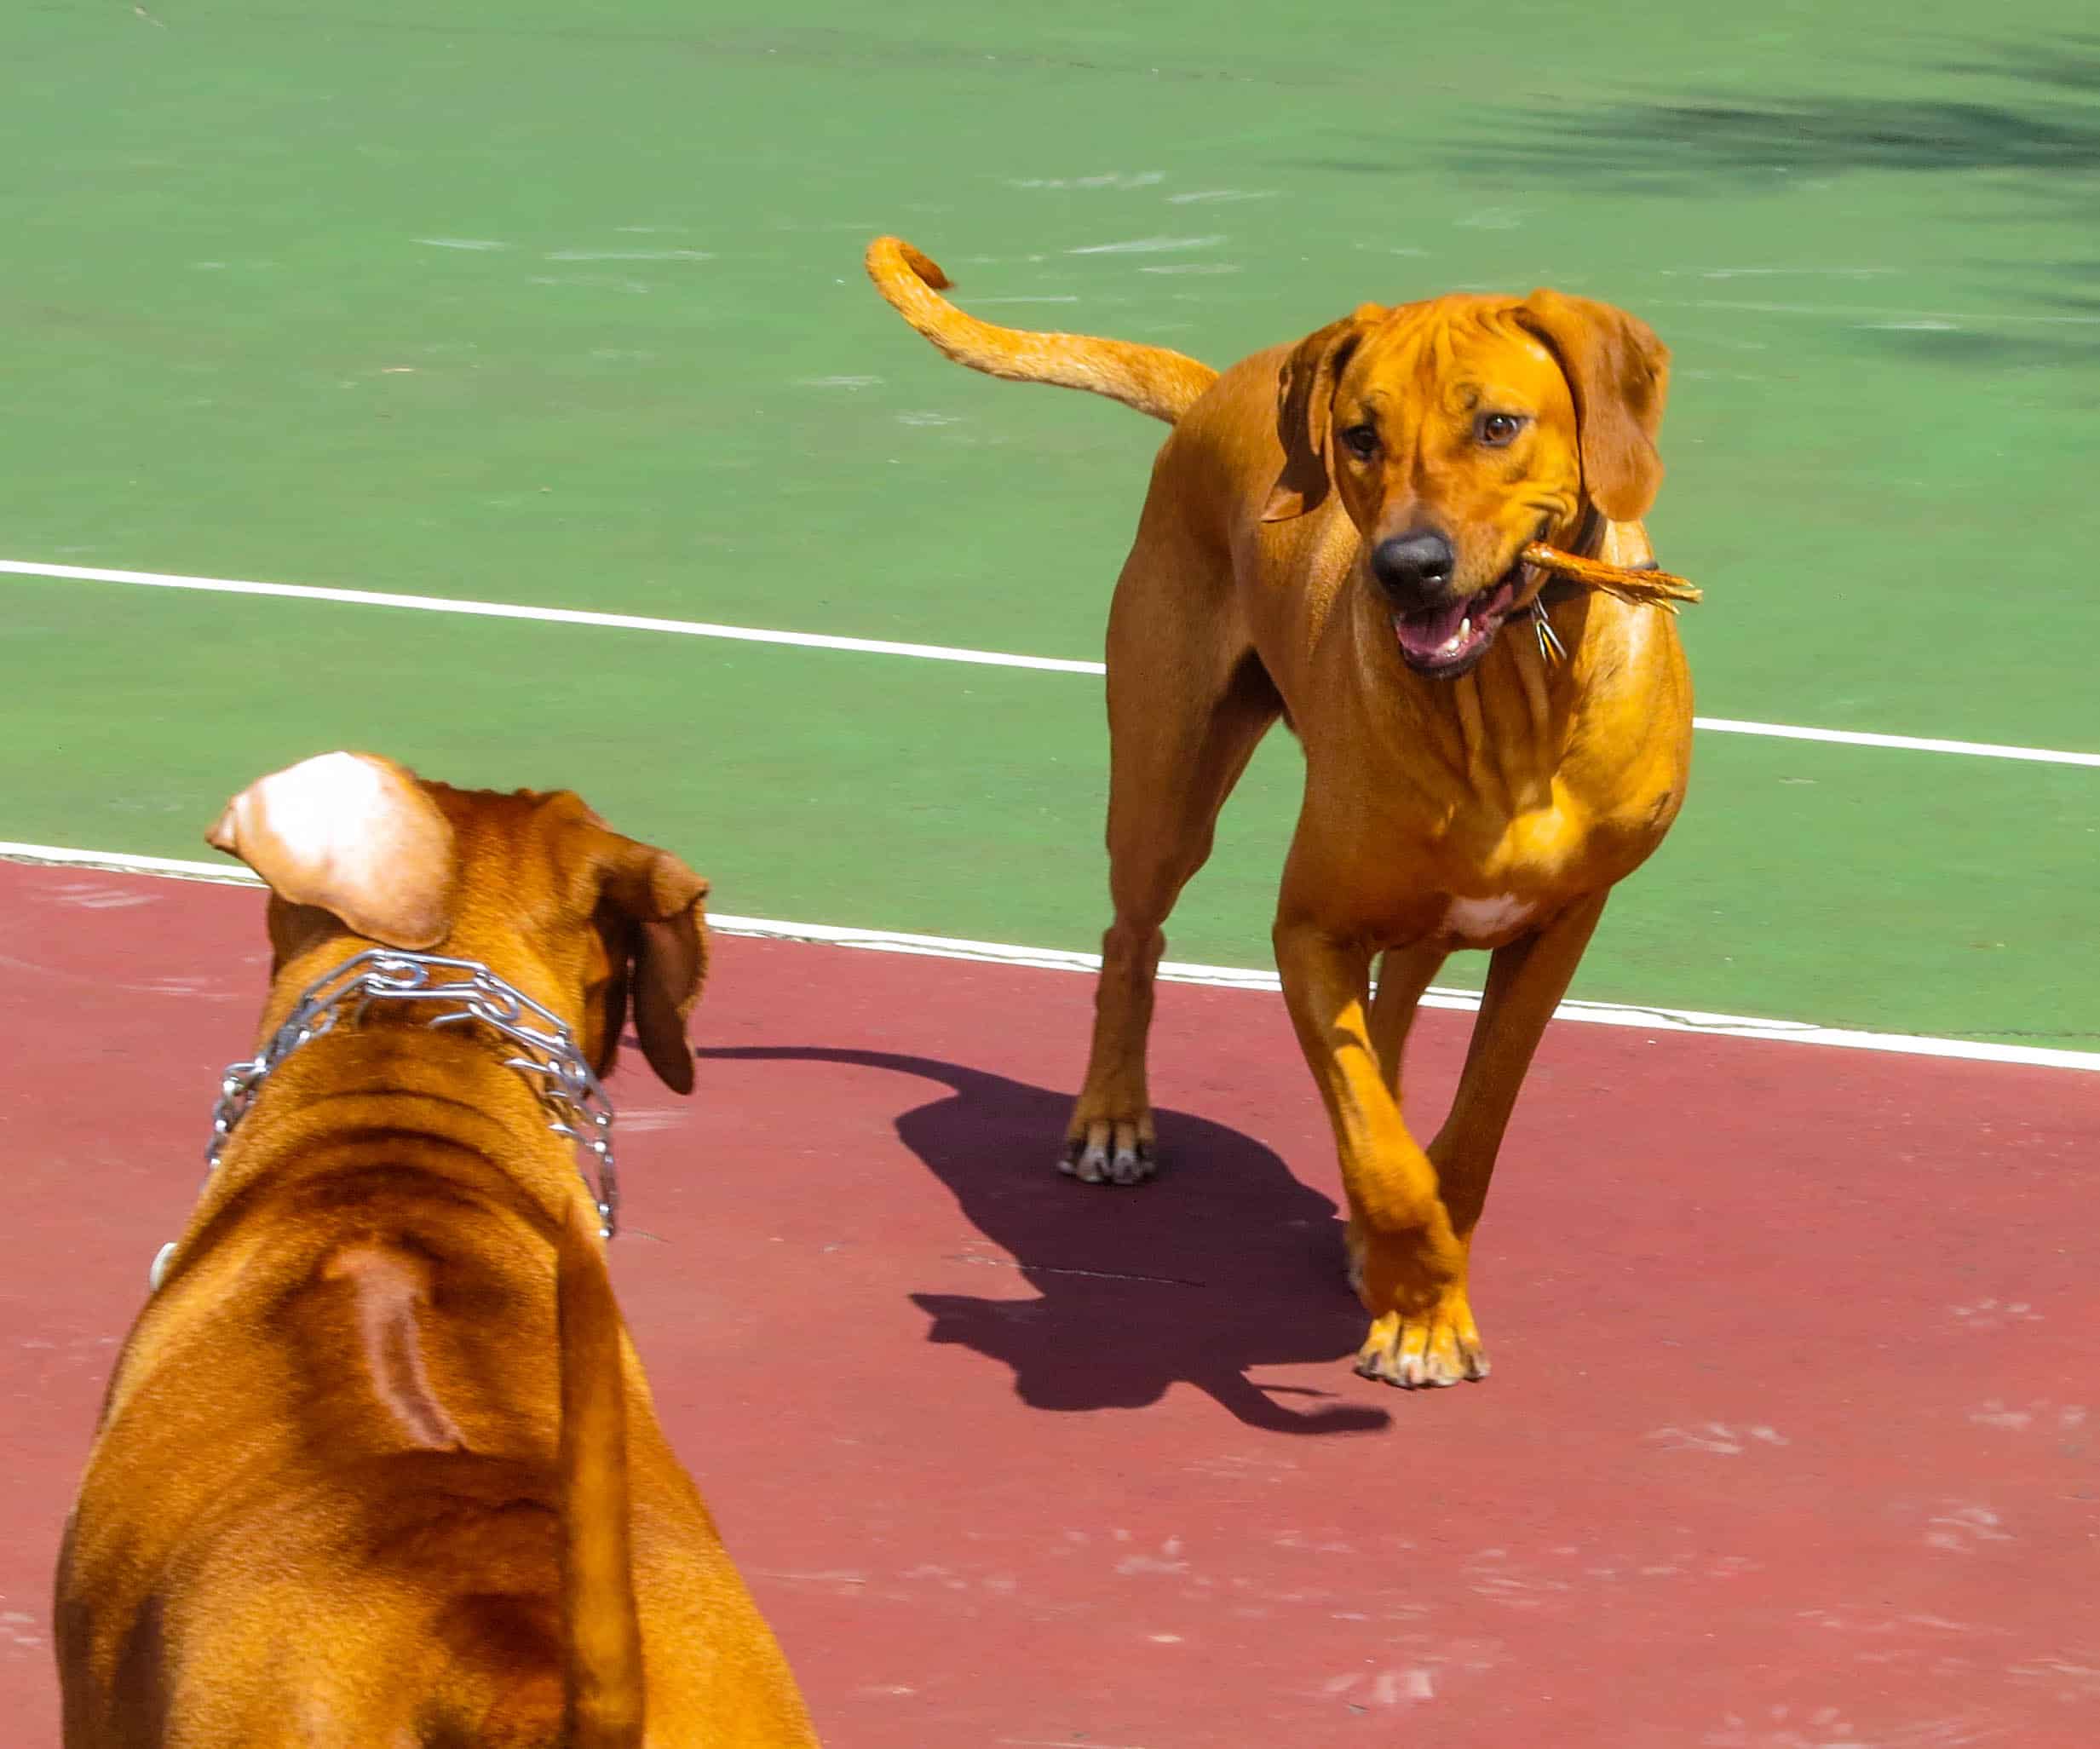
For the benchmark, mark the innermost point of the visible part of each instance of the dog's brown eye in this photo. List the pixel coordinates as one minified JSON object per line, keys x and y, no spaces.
{"x":1362,"y":441}
{"x":1497,"y":429}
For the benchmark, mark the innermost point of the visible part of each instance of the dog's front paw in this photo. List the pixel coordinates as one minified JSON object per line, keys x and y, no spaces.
{"x":1422,"y":1330}
{"x":1426,"y":1350}
{"x":1110,"y":1150}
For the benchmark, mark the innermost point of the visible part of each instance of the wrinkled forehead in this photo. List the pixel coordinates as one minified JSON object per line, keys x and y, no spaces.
{"x":555,"y":830}
{"x":1454,"y":355}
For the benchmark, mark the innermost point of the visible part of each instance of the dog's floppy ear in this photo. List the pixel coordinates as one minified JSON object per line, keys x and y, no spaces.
{"x":650,"y":914}
{"x":1305,"y":411}
{"x":1619,"y":374}
{"x":356,"y":836}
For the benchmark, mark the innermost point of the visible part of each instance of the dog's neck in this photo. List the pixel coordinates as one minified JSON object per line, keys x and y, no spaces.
{"x":442,"y":992}
{"x":382,"y":1048}
{"x":391,"y":1079}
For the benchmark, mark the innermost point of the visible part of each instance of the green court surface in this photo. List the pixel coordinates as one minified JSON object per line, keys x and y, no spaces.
{"x":561,"y":304}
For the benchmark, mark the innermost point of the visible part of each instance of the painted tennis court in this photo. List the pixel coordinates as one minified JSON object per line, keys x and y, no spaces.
{"x":502,"y":393}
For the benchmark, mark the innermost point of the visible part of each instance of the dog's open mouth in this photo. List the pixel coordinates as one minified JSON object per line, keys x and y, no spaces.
{"x":1446,"y":640}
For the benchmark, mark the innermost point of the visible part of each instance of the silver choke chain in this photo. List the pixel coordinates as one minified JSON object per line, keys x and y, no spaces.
{"x":548,"y":1057}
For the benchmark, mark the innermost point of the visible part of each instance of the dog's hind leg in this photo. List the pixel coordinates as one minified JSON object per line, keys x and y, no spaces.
{"x":1188,"y":701}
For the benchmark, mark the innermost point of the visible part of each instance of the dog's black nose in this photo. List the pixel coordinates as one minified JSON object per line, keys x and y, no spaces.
{"x":1419,"y":564}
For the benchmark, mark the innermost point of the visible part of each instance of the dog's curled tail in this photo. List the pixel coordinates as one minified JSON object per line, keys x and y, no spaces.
{"x":600,"y":1632}
{"x":1150,"y":378}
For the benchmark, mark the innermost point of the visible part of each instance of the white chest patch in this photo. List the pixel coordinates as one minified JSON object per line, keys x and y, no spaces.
{"x":1486,"y":920}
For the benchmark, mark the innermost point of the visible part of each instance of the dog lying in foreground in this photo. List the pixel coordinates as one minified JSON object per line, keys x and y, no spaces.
{"x":1338,"y":533}
{"x":378,"y":1466}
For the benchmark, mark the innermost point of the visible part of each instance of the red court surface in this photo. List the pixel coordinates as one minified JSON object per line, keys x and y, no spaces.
{"x":1793,"y":1441}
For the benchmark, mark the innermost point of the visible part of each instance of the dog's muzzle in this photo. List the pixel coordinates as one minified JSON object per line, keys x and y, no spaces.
{"x":1446,"y":635}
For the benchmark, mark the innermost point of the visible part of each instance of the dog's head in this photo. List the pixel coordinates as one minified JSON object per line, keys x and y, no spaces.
{"x":1455,"y":431}
{"x":357,"y":850}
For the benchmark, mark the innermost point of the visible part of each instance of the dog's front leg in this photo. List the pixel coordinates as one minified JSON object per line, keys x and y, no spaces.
{"x":1408,"y":1262}
{"x":1525,"y":980}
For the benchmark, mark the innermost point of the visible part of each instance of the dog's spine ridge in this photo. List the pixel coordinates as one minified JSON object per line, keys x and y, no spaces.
{"x":602,"y":1633}
{"x":1150,"y":378}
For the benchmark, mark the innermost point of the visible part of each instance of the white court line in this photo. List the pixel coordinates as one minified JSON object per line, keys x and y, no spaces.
{"x":928,"y":652}
{"x":558,"y":616}
{"x":1599,"y":1014}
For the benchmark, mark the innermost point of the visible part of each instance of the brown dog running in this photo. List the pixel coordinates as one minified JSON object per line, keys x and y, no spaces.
{"x":1333,"y":535}
{"x":378,"y":1465}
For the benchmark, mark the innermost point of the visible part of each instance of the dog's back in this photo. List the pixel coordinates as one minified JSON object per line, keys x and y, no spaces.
{"x":402,"y":1550}
{"x":376,"y":1457}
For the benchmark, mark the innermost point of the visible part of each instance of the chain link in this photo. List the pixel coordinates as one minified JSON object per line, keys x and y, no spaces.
{"x":567,"y":1089}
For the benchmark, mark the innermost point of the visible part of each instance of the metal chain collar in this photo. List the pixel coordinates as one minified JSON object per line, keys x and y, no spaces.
{"x":575,"y":1103}
{"x":1588,"y":537}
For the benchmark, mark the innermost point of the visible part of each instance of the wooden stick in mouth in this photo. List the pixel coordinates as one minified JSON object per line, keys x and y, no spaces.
{"x":1652,"y":588}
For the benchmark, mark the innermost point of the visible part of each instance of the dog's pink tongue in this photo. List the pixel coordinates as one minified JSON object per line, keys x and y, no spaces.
{"x":1426,"y":633}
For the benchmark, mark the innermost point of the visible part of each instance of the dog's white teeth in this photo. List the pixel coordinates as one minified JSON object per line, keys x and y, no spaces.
{"x":1456,"y":642}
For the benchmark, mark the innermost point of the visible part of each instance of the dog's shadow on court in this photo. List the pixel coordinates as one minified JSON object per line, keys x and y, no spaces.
{"x":1223,"y":1264}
